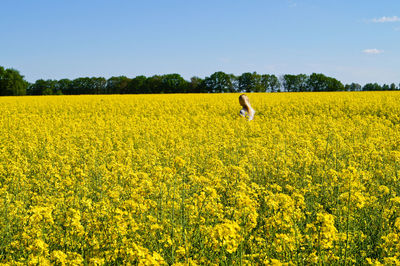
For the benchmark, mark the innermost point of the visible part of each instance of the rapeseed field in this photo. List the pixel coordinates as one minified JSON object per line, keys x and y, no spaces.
{"x":184,"y":180}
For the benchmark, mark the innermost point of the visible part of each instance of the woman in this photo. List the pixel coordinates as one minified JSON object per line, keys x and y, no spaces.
{"x":245,"y":103}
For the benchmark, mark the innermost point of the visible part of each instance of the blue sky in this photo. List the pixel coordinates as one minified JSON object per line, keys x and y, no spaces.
{"x":353,"y":41}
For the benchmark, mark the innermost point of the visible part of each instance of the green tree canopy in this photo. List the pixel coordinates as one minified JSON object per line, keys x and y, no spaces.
{"x":153,"y":84}
{"x":372,"y":87}
{"x":44,"y":87}
{"x":117,"y":85}
{"x":250,"y":82}
{"x":353,"y":87}
{"x":137,"y":85}
{"x":294,"y":83}
{"x":393,"y":87}
{"x":270,"y":83}
{"x":219,"y":82}
{"x":196,"y":85}
{"x":173,"y":83}
{"x":65,"y":86}
{"x":12,"y":83}
{"x":320,"y":82}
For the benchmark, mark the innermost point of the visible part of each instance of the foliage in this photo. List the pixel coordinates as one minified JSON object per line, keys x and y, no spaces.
{"x":219,"y":82}
{"x":270,"y":83}
{"x":12,"y":83}
{"x":353,"y":87}
{"x":295,"y":83}
{"x":118,"y":85}
{"x":45,"y":87}
{"x":320,"y":82}
{"x":248,"y":82}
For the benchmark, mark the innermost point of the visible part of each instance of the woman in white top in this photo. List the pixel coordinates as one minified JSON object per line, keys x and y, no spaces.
{"x":245,"y":103}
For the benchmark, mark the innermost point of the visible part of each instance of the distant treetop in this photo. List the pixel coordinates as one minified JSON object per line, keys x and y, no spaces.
{"x":13,"y":83}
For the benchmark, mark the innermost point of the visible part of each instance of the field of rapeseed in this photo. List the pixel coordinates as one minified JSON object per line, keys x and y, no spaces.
{"x":183,"y":179}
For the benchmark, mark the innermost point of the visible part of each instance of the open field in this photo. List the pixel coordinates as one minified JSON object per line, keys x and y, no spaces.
{"x":170,"y":179}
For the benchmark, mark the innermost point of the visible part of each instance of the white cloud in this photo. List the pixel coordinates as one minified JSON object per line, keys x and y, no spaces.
{"x":372,"y":51}
{"x":386,"y":19}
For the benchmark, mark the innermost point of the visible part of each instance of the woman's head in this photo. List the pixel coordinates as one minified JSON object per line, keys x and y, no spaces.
{"x":244,"y":101}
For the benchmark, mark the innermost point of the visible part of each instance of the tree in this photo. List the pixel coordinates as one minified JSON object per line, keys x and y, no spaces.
{"x":320,"y":82}
{"x":12,"y":83}
{"x":317,"y":82}
{"x":98,"y":85}
{"x":153,"y":85}
{"x":43,"y":87}
{"x":89,"y":85}
{"x":393,"y":87}
{"x":302,"y":82}
{"x":173,"y":83}
{"x":385,"y":87}
{"x":270,"y":83}
{"x":80,"y":86}
{"x":117,"y":85}
{"x":353,"y":87}
{"x":137,"y":85}
{"x":219,"y":82}
{"x":372,"y":87}
{"x":249,"y":82}
{"x":295,"y":83}
{"x":195,"y":85}
{"x":234,"y":83}
{"x":64,"y":86}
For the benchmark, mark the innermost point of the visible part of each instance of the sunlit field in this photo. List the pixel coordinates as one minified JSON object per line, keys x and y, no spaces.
{"x":184,"y":180}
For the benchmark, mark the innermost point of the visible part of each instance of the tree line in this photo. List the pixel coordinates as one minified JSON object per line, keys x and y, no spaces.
{"x":13,"y":83}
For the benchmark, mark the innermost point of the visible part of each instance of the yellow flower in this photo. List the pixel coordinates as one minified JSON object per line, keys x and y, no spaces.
{"x":59,"y":257}
{"x":176,"y":179}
